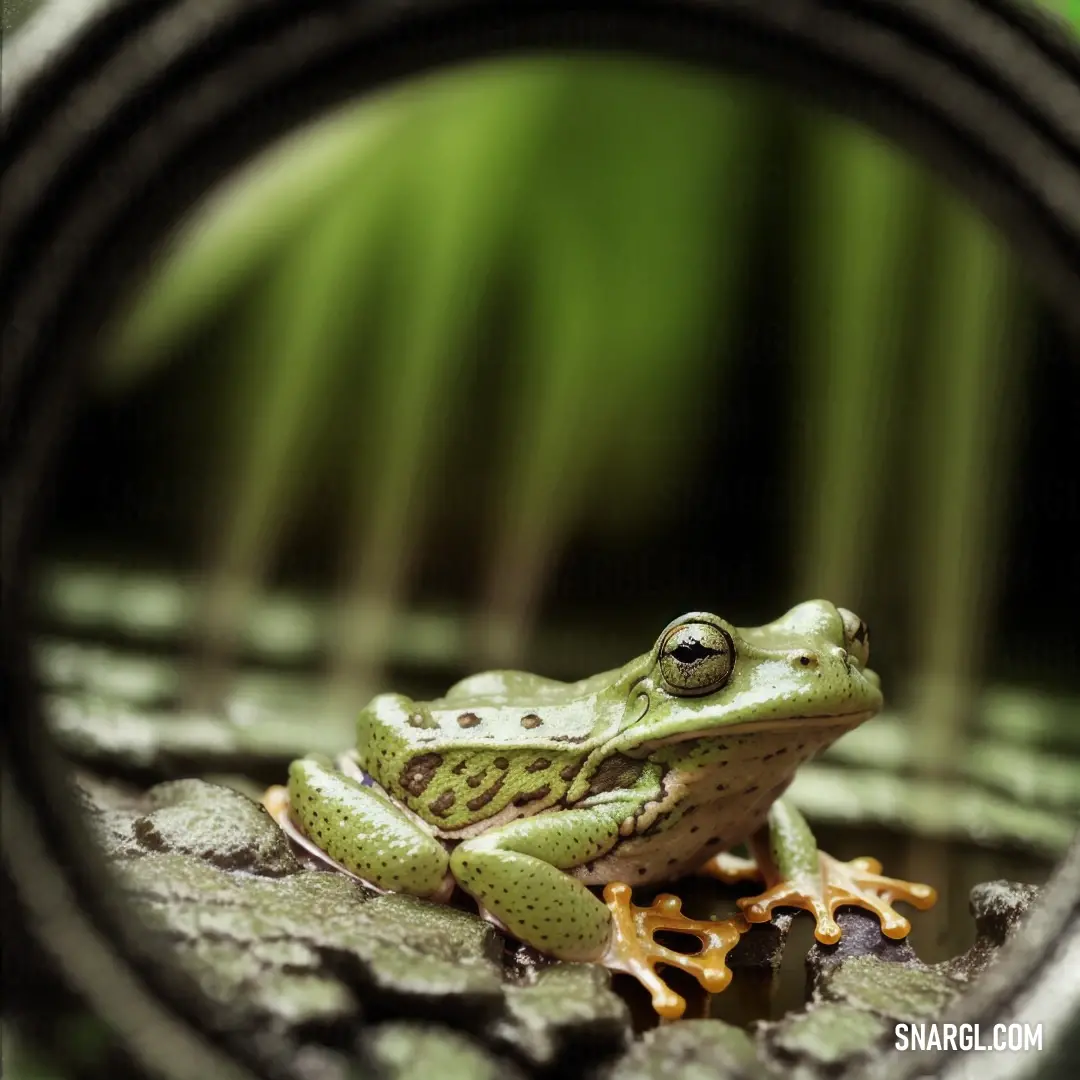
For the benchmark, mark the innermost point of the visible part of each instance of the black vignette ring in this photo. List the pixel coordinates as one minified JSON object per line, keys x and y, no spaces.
{"x":117,"y":120}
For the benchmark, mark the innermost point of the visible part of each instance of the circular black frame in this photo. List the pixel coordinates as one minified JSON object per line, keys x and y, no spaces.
{"x":118,"y":117}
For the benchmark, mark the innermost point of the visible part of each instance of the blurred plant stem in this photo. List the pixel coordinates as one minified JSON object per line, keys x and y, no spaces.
{"x":293,"y":344}
{"x":630,"y":290}
{"x":963,"y":447}
{"x":859,"y":200}
{"x":471,"y":189}
{"x":247,"y":225}
{"x":512,"y":294}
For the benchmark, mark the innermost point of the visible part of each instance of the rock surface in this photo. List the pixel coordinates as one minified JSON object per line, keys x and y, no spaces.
{"x":308,"y":954}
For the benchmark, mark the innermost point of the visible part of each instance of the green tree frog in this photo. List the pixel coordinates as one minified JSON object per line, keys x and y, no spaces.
{"x":527,"y":792}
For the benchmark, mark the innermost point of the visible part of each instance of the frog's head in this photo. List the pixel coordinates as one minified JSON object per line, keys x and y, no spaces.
{"x":705,"y":676}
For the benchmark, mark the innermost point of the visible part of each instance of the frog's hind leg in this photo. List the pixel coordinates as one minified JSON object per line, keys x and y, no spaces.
{"x":275,"y":800}
{"x":356,"y":829}
{"x":517,"y":874}
{"x":798,"y":875}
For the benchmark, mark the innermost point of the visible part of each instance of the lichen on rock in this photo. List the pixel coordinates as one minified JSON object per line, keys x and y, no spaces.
{"x":322,"y":961}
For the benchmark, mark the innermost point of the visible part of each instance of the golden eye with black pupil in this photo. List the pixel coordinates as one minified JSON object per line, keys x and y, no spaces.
{"x":696,"y":658}
{"x":856,"y":636}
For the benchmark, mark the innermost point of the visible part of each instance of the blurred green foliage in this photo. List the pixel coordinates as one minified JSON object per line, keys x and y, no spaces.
{"x":561,"y":250}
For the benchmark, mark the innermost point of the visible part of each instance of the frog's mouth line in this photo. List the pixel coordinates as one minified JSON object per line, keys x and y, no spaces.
{"x":852,"y":719}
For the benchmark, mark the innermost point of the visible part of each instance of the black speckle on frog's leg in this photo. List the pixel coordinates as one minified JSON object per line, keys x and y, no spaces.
{"x":485,"y":797}
{"x":440,"y":807}
{"x":539,"y":765}
{"x":531,"y":720}
{"x":532,"y":796}
{"x":468,"y":719}
{"x":419,"y":771}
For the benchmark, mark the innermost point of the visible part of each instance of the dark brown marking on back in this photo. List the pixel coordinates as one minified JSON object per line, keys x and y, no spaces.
{"x":419,"y":771}
{"x":531,"y":720}
{"x":532,"y":796}
{"x":468,"y":719}
{"x":475,"y":780}
{"x":501,"y":763}
{"x":441,"y":806}
{"x":617,"y":771}
{"x":568,"y":772}
{"x":539,"y":765}
{"x":485,"y":797}
{"x":461,"y":766}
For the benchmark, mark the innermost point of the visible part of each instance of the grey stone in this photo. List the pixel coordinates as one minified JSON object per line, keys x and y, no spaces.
{"x":823,"y":1037}
{"x":998,"y":908}
{"x":216,"y":824}
{"x":898,"y":991}
{"x":410,"y":1051}
{"x":860,"y":936}
{"x":563,"y":1010}
{"x":308,"y":954}
{"x":689,"y":1050}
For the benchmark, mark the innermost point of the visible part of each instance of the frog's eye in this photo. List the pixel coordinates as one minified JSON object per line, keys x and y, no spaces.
{"x":856,"y":637}
{"x":696,"y":658}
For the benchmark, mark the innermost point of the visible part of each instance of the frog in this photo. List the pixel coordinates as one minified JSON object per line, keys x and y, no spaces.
{"x":528,"y":793}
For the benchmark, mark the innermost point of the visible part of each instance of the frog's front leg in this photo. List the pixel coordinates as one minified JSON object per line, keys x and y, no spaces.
{"x":517,"y":873}
{"x":799,"y":875}
{"x":361,"y":831}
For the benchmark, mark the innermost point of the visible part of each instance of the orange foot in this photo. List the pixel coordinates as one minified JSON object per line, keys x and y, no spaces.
{"x":858,"y":883}
{"x":634,"y":950}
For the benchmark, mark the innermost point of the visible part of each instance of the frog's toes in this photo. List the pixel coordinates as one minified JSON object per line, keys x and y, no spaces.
{"x":837,"y":884}
{"x":634,"y":950}
{"x":731,"y":869}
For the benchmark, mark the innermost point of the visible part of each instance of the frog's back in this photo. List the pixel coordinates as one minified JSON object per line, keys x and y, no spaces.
{"x":499,"y":744}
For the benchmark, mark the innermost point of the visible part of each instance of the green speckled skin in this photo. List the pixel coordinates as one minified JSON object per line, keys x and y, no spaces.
{"x":540,"y":788}
{"x":398,"y":855}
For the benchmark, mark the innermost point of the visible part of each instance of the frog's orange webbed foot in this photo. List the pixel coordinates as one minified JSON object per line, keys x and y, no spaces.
{"x":837,"y":884}
{"x":634,"y":950}
{"x":730,"y":869}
